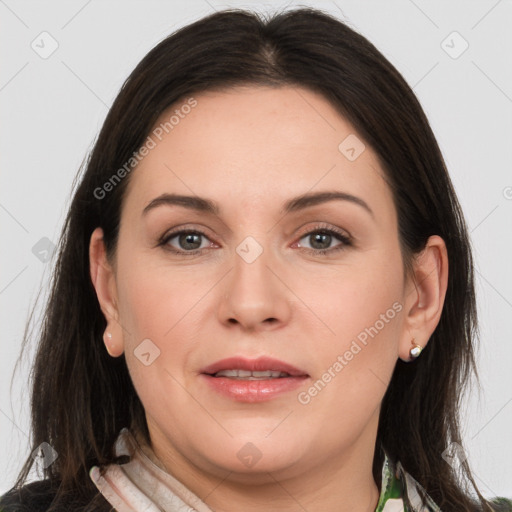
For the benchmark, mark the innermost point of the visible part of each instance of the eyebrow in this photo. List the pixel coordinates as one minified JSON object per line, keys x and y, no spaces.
{"x":301,"y":202}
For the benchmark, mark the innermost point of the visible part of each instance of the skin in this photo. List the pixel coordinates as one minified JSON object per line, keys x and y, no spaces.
{"x":251,"y":149}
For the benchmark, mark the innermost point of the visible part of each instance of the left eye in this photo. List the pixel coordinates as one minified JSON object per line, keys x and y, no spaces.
{"x":321,"y":240}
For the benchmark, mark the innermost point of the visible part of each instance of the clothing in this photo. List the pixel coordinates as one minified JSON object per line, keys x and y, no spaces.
{"x":141,"y":485}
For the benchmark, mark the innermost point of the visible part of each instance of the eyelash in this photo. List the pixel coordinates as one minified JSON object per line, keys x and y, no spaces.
{"x":346,"y":241}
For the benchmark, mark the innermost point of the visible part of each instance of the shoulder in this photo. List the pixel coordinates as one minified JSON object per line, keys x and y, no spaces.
{"x":39,"y":496}
{"x":32,"y":497}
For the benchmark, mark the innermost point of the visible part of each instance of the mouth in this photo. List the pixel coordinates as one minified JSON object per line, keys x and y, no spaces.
{"x":238,"y":374}
{"x":253,"y":369}
{"x":253,"y":380}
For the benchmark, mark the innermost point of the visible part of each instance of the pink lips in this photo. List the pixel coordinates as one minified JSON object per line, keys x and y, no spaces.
{"x":253,"y":390}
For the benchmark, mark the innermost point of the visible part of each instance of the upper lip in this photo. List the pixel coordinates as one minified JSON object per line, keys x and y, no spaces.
{"x":260,"y":364}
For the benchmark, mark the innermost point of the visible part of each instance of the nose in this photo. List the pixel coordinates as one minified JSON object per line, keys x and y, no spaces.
{"x":255,"y":296}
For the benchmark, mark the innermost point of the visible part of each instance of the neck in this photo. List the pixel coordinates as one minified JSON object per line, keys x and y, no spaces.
{"x":342,"y":483}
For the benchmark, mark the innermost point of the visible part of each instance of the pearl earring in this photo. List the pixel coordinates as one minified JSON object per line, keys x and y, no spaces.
{"x":415,"y":350}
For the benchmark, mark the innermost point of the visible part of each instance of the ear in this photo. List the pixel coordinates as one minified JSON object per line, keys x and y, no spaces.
{"x":425,"y":292}
{"x":104,"y":282}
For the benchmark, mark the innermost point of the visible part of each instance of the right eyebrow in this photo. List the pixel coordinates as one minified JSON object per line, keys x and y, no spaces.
{"x":192,"y":202}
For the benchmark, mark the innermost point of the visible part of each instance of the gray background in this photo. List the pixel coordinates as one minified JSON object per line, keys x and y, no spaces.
{"x":53,"y":107}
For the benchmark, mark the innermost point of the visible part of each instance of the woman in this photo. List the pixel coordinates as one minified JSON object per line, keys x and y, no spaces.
{"x":264,"y":295}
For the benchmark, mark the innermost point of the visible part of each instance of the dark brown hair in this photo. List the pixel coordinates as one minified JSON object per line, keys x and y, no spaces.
{"x":81,"y":397}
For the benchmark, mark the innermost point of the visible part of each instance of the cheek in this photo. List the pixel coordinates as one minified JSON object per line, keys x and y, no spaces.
{"x":353,"y":366}
{"x":153,"y":347}
{"x":356,"y":297}
{"x":155,"y":300}
{"x":157,"y":306}
{"x":362,"y":307}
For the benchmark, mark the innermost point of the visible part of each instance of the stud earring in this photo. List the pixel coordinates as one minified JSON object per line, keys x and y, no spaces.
{"x":109,"y":335}
{"x":415,"y":350}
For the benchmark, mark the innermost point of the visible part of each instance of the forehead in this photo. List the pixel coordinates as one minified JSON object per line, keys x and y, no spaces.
{"x":255,"y":145}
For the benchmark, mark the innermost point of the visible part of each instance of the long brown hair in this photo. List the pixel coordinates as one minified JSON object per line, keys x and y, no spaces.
{"x":81,"y":397}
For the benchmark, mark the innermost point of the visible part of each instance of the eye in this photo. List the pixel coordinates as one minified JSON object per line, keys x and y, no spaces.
{"x":187,"y":241}
{"x":320,"y":240}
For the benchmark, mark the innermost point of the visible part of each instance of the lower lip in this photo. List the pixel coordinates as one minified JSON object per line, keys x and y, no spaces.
{"x":253,"y":390}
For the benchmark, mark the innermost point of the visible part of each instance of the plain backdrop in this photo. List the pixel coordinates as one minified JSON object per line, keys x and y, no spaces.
{"x":455,"y":55}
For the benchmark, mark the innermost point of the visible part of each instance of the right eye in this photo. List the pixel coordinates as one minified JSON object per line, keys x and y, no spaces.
{"x":188,"y":241}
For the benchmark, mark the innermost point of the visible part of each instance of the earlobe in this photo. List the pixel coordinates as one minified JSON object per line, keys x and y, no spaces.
{"x":114,"y":347}
{"x":425,"y":297}
{"x":103,"y":280}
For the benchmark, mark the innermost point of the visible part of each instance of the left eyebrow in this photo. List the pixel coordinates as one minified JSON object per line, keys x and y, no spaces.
{"x":295,"y":204}
{"x":313,"y":199}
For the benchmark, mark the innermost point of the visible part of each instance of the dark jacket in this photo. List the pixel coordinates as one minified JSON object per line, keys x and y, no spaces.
{"x":38,"y":496}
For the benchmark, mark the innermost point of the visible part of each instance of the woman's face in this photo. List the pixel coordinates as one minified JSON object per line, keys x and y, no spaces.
{"x":315,"y":284}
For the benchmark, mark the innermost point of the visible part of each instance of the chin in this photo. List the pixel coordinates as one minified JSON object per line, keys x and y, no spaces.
{"x":249,"y":458}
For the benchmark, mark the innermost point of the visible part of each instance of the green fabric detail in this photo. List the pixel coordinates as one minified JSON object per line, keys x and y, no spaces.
{"x":501,"y":502}
{"x":391,"y":487}
{"x":397,"y":484}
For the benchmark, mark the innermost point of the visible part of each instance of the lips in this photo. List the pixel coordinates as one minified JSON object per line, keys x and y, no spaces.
{"x":261,"y":364}
{"x":253,"y":380}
